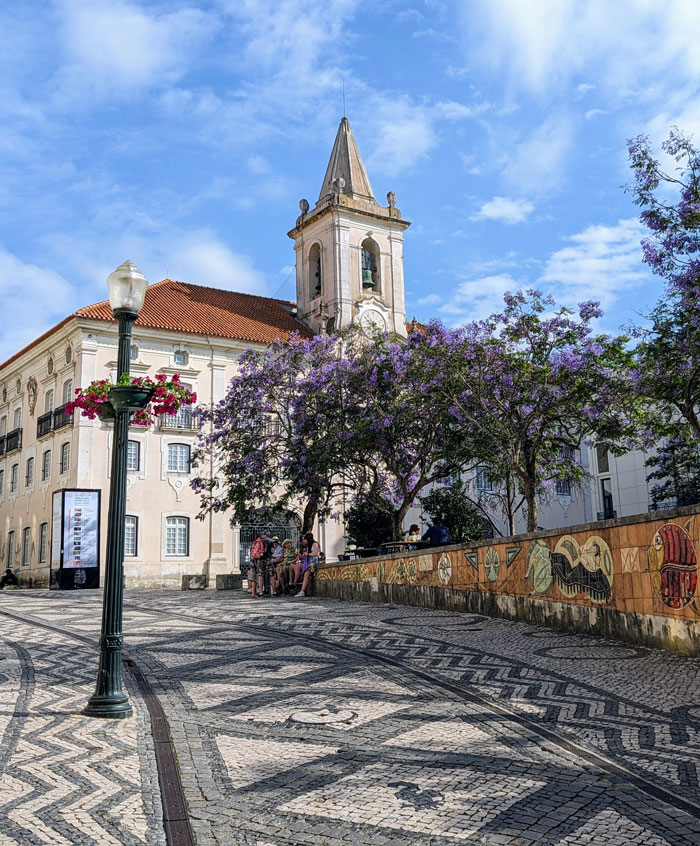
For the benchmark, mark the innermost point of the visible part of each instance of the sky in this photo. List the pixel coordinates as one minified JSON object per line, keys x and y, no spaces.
{"x":182,"y":136}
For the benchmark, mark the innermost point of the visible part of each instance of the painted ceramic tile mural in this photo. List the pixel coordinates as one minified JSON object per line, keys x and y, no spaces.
{"x":649,"y":567}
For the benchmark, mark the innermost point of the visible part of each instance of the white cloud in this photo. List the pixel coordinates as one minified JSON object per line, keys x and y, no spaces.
{"x":600,"y":263}
{"x":591,"y":113}
{"x":630,"y":50}
{"x":538,"y":162}
{"x":431,"y":299}
{"x":403,"y":132}
{"x":196,"y":256}
{"x":505,"y":209}
{"x":33,"y":299}
{"x":113,"y":46}
{"x":202,"y":259}
{"x":478,"y":297}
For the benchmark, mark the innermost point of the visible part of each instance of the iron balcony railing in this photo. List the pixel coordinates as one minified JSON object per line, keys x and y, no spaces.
{"x":186,"y":418}
{"x":13,"y":440}
{"x":607,"y":515}
{"x":3,"y":439}
{"x":60,"y":418}
{"x":44,"y":424}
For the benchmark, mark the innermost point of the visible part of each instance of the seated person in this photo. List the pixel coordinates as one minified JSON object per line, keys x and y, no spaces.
{"x":413,"y":535}
{"x":313,"y":554}
{"x":283,"y":571}
{"x":8,"y":580}
{"x":437,"y":534}
{"x":299,"y":564}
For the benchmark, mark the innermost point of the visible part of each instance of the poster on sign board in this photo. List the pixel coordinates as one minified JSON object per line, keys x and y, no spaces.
{"x":75,"y":539}
{"x":81,"y":518}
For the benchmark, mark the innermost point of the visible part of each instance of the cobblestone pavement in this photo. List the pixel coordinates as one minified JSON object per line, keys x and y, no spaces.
{"x":313,"y":721}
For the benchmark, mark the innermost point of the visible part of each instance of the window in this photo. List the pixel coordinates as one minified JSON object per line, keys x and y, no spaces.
{"x":178,"y":458}
{"x":131,"y":531}
{"x":133,"y":455}
{"x":315,"y":278}
{"x":46,"y":465}
{"x":483,"y":480}
{"x":2,"y":483}
{"x":43,"y":542}
{"x":603,"y":459}
{"x":11,"y":549}
{"x":180,"y":357}
{"x":18,"y":418}
{"x":3,"y":425}
{"x":133,"y":352}
{"x":67,"y":391}
{"x":177,"y":536}
{"x":14,"y":478}
{"x":64,"y":458}
{"x":607,"y":499}
{"x":29,"y":473}
{"x":26,"y":546}
{"x":48,"y":402}
{"x":563,"y":487}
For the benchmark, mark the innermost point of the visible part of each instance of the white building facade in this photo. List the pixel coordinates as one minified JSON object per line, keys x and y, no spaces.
{"x":349,"y":270}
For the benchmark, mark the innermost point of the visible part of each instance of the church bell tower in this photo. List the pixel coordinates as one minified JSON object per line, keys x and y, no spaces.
{"x":349,"y":250}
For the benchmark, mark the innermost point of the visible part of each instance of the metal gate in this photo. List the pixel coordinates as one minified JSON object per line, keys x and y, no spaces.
{"x":250,"y":532}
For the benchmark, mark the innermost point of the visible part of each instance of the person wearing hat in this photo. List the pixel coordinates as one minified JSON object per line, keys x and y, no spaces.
{"x":275,"y":561}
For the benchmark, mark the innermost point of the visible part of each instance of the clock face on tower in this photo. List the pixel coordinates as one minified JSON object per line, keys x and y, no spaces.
{"x":372,"y":321}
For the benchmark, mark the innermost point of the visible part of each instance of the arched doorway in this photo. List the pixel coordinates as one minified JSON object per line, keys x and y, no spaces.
{"x":283,"y":524}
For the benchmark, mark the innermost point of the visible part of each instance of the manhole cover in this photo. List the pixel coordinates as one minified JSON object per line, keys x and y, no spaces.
{"x":322,"y":716}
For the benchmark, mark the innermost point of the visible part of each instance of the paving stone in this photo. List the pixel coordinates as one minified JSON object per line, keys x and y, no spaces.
{"x":414,"y":764}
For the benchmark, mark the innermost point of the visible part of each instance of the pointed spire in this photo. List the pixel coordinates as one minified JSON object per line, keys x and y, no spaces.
{"x":346,"y":164}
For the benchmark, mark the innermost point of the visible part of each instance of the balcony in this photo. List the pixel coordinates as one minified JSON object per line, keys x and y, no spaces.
{"x":3,"y":439}
{"x":186,"y":418}
{"x":13,"y":440}
{"x":61,"y":419}
{"x":43,"y":424}
{"x":607,"y":515}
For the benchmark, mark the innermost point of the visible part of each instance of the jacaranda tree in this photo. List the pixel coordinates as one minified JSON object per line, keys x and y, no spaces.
{"x":667,"y":370}
{"x":264,"y":445}
{"x":530,"y":383}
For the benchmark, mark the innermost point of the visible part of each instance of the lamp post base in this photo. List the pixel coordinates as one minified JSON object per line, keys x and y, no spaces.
{"x":108,"y":707}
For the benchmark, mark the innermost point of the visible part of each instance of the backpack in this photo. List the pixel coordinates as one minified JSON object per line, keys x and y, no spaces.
{"x":257,"y":550}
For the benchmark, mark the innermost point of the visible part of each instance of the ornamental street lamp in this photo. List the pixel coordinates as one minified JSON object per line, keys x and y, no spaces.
{"x":127,"y":291}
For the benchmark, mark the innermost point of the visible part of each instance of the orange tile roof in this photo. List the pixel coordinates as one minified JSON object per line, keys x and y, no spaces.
{"x":180,"y":307}
{"x":196,"y":309}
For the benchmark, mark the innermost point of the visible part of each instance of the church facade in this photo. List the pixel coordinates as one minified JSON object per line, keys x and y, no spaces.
{"x":349,"y":270}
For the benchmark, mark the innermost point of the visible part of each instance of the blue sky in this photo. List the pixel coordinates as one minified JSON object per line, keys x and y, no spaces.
{"x":182,"y":136}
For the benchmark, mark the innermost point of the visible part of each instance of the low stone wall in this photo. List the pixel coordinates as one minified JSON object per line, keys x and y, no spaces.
{"x":633,"y":578}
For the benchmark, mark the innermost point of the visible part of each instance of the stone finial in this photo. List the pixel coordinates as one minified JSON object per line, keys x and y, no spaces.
{"x":303,"y":205}
{"x":391,"y":199}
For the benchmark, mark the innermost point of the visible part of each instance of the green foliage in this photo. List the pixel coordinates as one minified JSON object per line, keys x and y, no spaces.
{"x":674,"y":471}
{"x":452,"y":507}
{"x":369,"y":525}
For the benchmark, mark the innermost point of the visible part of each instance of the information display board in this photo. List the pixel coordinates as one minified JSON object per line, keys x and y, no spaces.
{"x":75,"y":538}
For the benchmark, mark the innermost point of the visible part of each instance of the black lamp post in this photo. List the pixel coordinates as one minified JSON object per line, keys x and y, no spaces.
{"x":127,"y":291}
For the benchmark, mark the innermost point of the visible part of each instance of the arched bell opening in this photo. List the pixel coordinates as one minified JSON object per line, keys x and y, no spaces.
{"x":315,"y":273}
{"x":370,"y":279}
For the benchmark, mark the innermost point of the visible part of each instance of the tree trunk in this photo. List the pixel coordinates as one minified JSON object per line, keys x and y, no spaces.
{"x":397,"y":521}
{"x":531,"y":500}
{"x":309,"y":516}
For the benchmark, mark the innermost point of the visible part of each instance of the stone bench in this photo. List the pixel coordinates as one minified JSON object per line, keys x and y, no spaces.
{"x":229,"y":581}
{"x":197,"y":582}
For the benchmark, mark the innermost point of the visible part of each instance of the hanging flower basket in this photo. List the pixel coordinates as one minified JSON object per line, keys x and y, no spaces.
{"x":131,"y":397}
{"x":144,"y":396}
